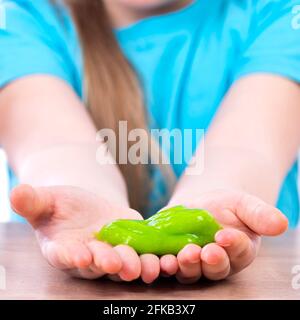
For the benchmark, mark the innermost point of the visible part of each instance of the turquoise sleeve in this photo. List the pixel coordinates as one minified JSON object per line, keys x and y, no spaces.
{"x":29,"y":45}
{"x":273,"y":44}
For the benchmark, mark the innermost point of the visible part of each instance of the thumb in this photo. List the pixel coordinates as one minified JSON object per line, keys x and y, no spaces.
{"x":261,"y":217}
{"x":31,"y":203}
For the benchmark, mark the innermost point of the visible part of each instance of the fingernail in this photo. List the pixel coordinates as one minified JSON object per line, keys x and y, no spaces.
{"x":210,"y":259}
{"x":195,"y":260}
{"x":224,"y":240}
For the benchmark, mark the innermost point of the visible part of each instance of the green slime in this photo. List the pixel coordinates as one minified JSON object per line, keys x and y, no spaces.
{"x":166,"y":232}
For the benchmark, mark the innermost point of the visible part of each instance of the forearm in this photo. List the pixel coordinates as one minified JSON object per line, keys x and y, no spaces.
{"x":252,"y":142}
{"x":50,"y":138}
{"x":231,"y":169}
{"x":74,"y":165}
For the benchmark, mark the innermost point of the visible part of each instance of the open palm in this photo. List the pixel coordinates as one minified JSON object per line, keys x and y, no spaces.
{"x":65,"y":220}
{"x":244,"y":218}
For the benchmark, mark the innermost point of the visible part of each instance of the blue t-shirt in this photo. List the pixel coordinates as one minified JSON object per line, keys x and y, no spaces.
{"x":186,"y":60}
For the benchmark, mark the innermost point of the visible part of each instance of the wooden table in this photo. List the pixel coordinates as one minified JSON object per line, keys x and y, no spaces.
{"x":30,"y":277}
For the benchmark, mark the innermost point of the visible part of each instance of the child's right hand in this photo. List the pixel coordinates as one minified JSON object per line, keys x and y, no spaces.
{"x":244,"y":218}
{"x":65,"y":219}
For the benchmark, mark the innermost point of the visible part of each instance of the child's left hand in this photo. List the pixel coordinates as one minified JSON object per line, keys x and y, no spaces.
{"x":245,"y":219}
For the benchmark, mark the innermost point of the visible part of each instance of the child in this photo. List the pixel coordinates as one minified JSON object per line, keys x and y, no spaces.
{"x":231,"y":68}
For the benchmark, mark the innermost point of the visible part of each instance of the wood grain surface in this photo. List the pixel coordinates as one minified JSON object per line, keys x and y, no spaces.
{"x":28,"y":276}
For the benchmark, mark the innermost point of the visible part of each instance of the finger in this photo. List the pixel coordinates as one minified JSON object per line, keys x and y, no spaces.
{"x":32,"y":203}
{"x":114,"y":277}
{"x":87,"y":273}
{"x":150,"y":267}
{"x":57,"y":255}
{"x":66,"y":256}
{"x":189,"y":263}
{"x":131,"y":264}
{"x":260,"y":217}
{"x":92,"y":269}
{"x":239,"y":247}
{"x":168,"y":265}
{"x":215,"y":262}
{"x":105,"y":258}
{"x":79,"y":255}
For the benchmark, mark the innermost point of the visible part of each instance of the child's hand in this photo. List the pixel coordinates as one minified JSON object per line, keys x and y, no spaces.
{"x":65,"y":218}
{"x":245,"y":219}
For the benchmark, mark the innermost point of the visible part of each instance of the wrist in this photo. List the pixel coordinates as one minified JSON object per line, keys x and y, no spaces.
{"x":239,"y":170}
{"x":74,"y":165}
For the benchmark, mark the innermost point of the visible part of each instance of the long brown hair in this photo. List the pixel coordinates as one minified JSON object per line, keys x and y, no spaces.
{"x":112,"y":88}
